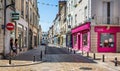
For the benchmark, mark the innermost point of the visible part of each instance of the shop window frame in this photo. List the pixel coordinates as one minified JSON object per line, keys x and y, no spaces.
{"x":108,"y":44}
{"x":85,"y":44}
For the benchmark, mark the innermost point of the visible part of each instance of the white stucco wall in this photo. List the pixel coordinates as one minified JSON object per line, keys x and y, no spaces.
{"x":7,"y":32}
{"x":97,"y":8}
{"x":7,"y":35}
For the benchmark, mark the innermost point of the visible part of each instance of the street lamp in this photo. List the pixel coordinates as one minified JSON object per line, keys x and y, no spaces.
{"x":5,"y":8}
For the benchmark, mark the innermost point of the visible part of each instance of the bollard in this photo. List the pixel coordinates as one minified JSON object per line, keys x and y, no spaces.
{"x":68,"y":49}
{"x":10,"y":60}
{"x":45,"y":51}
{"x":103,"y":58}
{"x":115,"y":61}
{"x":41,"y":55}
{"x":74,"y":51}
{"x":87,"y":54}
{"x":10,"y":57}
{"x":33,"y":58}
{"x":93,"y":55}
{"x":82,"y":52}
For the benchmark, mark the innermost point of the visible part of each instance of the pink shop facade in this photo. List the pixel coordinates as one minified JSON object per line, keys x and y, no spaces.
{"x":89,"y":38}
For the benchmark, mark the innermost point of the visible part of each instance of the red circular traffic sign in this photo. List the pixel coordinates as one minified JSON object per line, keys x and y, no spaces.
{"x":10,"y":26}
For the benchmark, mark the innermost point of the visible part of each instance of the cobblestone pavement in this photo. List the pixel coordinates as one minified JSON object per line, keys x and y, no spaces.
{"x":55,"y":61}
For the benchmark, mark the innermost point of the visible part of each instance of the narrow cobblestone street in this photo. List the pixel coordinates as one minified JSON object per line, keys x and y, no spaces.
{"x":55,"y":59}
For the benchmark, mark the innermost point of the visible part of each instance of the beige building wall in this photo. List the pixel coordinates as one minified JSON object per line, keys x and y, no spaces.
{"x":1,"y":30}
{"x":33,"y":21}
{"x":118,"y":42}
{"x":93,"y":40}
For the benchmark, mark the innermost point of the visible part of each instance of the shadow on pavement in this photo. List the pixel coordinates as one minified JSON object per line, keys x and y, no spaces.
{"x":53,"y":54}
{"x":76,"y":58}
{"x":56,"y":50}
{"x":12,"y":65}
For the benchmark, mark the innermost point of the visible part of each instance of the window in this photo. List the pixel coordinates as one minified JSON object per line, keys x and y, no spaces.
{"x":71,"y":20}
{"x":85,"y":37}
{"x":85,"y":12}
{"x":107,"y":40}
{"x":75,"y":3}
{"x":75,"y":18}
{"x":108,"y":10}
{"x":27,"y":11}
{"x":75,"y":39}
{"x":80,"y":1}
{"x":22,"y":8}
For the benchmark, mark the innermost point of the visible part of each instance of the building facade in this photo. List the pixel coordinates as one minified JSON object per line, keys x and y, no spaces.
{"x":21,"y":25}
{"x":98,"y":26}
{"x":50,"y":35}
{"x":62,"y":22}
{"x":69,"y":26}
{"x":33,"y":23}
{"x":44,"y":38}
{"x":1,"y":30}
{"x":39,"y":35}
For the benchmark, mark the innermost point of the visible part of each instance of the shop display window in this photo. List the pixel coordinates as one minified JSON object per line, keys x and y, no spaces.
{"x":107,"y":40}
{"x":75,"y":39}
{"x":85,"y":39}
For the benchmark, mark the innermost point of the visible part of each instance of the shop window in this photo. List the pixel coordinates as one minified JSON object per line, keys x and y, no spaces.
{"x":75,"y":39}
{"x":85,"y":37}
{"x":107,"y":40}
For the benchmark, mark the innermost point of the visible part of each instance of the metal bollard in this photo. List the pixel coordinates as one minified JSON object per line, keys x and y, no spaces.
{"x":45,"y":51}
{"x":93,"y":55}
{"x":74,"y":51}
{"x":10,"y":60}
{"x":68,"y":49}
{"x":103,"y":58}
{"x":33,"y":58}
{"x":115,"y":61}
{"x":41,"y":55}
{"x":82,"y":52}
{"x":87,"y":54}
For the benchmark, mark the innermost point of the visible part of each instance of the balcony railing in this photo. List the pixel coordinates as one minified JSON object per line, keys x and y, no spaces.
{"x":107,"y":20}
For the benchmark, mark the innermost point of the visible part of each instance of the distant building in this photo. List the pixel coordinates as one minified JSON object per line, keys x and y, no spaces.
{"x":44,"y":38}
{"x":39,"y":35}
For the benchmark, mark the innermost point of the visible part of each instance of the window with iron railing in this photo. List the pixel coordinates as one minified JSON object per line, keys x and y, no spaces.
{"x":22,"y":8}
{"x":104,"y":20}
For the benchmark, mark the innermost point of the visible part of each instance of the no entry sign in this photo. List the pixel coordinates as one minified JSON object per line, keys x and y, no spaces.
{"x":10,"y":26}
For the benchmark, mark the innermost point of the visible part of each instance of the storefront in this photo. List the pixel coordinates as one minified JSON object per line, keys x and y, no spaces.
{"x":64,"y":41}
{"x":20,"y":36}
{"x":107,"y":38}
{"x":69,"y":39}
{"x":55,"y":39}
{"x":81,"y":37}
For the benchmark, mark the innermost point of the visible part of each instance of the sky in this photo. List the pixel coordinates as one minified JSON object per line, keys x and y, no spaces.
{"x":47,"y":12}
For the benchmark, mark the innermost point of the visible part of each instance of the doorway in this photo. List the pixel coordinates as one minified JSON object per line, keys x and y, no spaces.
{"x":79,"y":42}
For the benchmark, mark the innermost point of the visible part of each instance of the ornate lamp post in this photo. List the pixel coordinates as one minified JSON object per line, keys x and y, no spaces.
{"x":5,"y":8}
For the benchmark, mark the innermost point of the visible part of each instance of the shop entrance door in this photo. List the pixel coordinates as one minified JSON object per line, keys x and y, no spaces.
{"x":79,"y":42}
